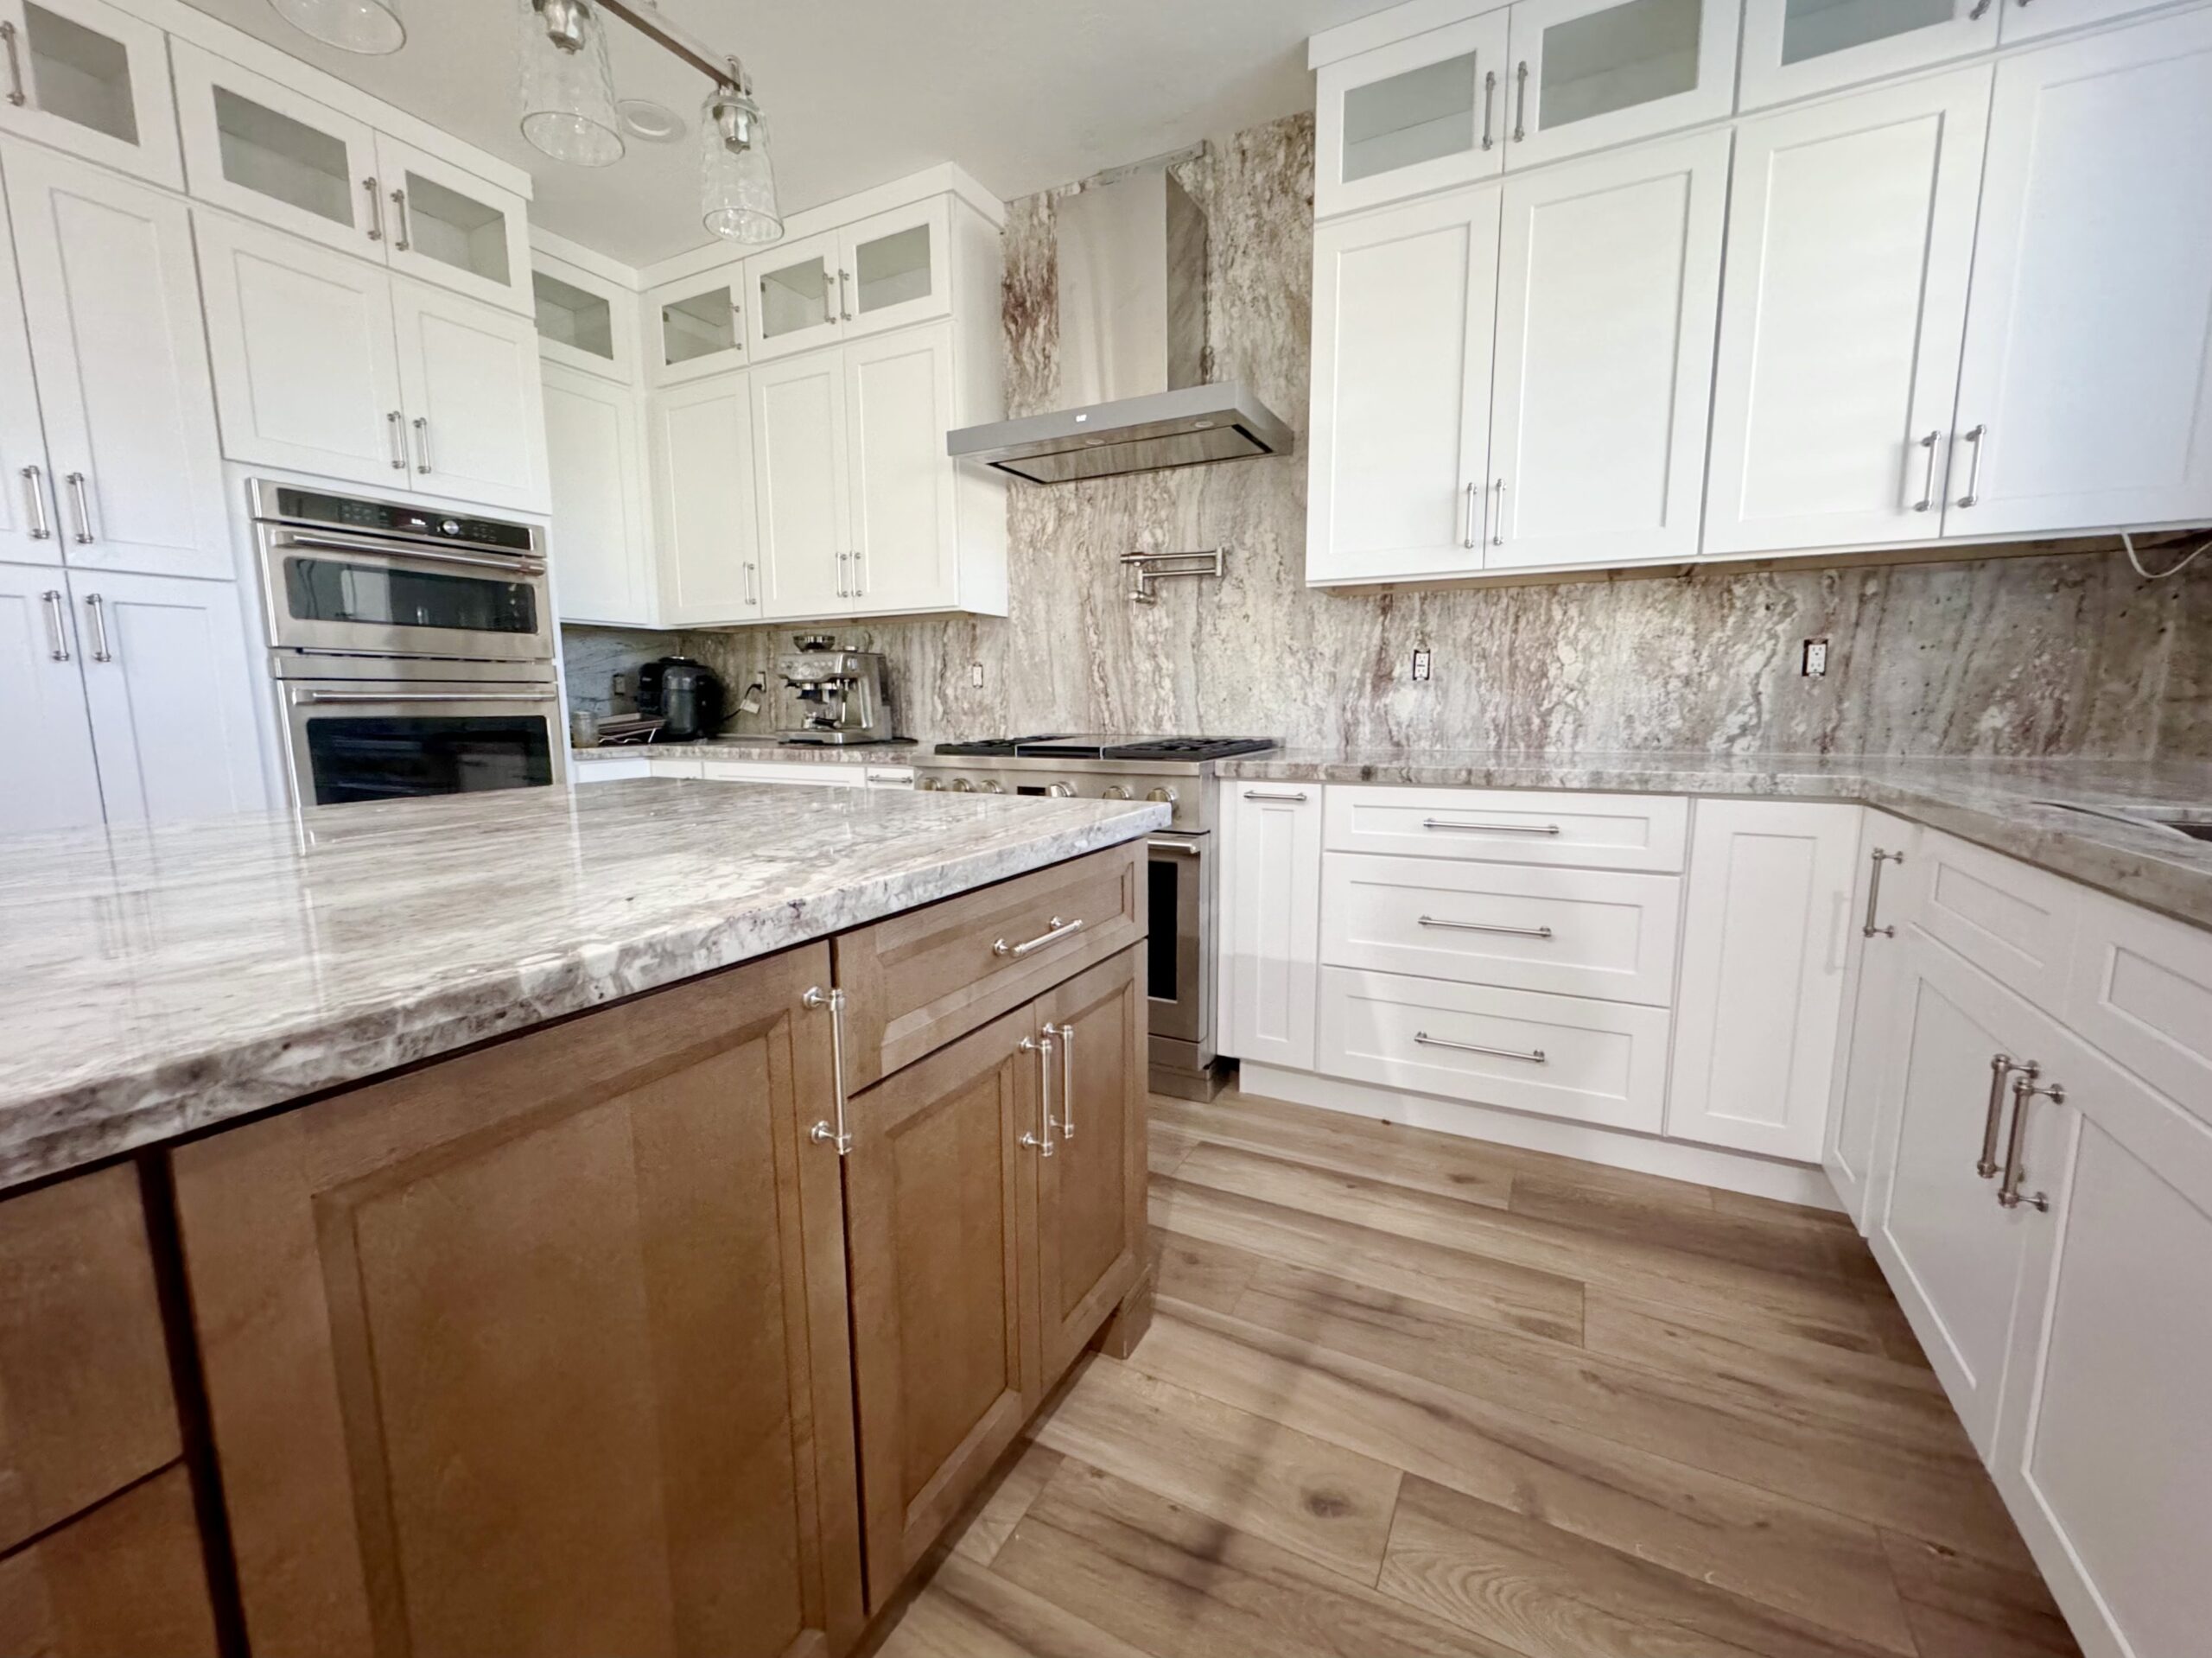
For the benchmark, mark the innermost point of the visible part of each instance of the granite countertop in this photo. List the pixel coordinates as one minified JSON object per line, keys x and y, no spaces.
{"x":758,"y":748}
{"x":1996,"y":803}
{"x":158,"y":981}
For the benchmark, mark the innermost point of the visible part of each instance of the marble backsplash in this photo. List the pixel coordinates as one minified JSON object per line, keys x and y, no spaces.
{"x":2059,"y":655}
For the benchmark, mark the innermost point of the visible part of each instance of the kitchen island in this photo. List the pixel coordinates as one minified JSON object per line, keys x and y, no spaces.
{"x":632,"y":1219}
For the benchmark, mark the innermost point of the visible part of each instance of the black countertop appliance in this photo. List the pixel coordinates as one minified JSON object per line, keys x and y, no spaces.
{"x":691,"y":699}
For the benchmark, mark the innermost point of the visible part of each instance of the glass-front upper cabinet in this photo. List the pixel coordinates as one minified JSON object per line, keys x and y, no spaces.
{"x":261,"y":149}
{"x":794,"y":301}
{"x":1413,"y":116}
{"x":1588,"y":73}
{"x":446,"y":226}
{"x":584,"y":322}
{"x":879,"y":273}
{"x":1794,"y":49}
{"x":695,"y":326}
{"x":94,"y":81}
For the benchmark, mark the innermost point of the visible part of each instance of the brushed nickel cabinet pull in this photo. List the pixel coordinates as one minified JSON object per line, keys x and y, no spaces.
{"x":752,"y":582}
{"x":2001,"y":1066}
{"x":1534,"y":1057}
{"x":80,"y":503}
{"x":1521,"y":106}
{"x":1980,"y":10}
{"x":1973,"y":496}
{"x":1497,"y":529}
{"x":57,"y":625}
{"x":1927,"y":501}
{"x":1065,"y":1034}
{"x":1485,"y":926}
{"x":1490,"y":829}
{"x":423,"y":465}
{"x":1490,"y":99}
{"x":1473,"y":534}
{"x":1042,"y":1145}
{"x":96,"y":609}
{"x":35,"y":497}
{"x":2024,"y":1091}
{"x":1054,"y":932}
{"x":844,"y":299}
{"x":396,"y":428}
{"x":406,"y":241}
{"x":17,"y":95}
{"x":376,"y":209}
{"x":1297,"y":799}
{"x":1874,"y":896}
{"x":823,"y":1133}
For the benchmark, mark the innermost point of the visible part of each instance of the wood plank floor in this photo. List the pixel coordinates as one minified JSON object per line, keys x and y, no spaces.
{"x":1410,"y":1393}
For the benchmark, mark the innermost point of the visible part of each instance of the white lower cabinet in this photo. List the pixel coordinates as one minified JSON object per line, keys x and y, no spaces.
{"x":1270,"y":927}
{"x":54,"y":782}
{"x":600,"y":542}
{"x":1882,"y":906}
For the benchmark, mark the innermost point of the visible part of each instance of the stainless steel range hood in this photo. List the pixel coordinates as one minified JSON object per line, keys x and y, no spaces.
{"x":1132,"y":263}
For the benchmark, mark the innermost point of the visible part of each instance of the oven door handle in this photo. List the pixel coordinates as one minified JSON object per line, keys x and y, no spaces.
{"x":302,"y":698}
{"x":431,"y":554}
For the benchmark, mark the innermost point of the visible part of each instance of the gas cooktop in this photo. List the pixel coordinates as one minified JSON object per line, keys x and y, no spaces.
{"x":1108,"y":747}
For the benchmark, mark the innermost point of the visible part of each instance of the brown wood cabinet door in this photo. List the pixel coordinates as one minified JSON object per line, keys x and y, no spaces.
{"x":126,"y":1580}
{"x":1091,"y":1192}
{"x":541,"y":1350}
{"x":938,"y":1191}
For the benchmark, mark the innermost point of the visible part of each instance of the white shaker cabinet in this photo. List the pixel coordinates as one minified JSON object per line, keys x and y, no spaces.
{"x":703,"y":502}
{"x":112,"y":302}
{"x":1883,"y":907}
{"x":172,"y":688}
{"x":1589,"y":73}
{"x":443,"y":225}
{"x":28,"y":512}
{"x":1762,"y":986}
{"x":1796,"y":48}
{"x":53,"y":781}
{"x":696,"y":327}
{"x":1271,"y":924}
{"x":469,"y":380}
{"x":2085,"y":398}
{"x":799,"y":471}
{"x":1405,"y":306}
{"x":905,"y":529}
{"x":91,"y":78}
{"x":1850,"y":247}
{"x":882,"y":272}
{"x":1413,"y":116}
{"x":600,"y":543}
{"x":1608,"y":294}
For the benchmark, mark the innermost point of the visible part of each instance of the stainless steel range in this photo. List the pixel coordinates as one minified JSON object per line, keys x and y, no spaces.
{"x":1178,"y":773}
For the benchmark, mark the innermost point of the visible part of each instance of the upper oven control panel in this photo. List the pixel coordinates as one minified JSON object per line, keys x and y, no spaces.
{"x":291,"y":505}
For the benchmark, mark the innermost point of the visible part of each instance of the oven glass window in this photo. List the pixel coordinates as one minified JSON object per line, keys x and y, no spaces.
{"x":358,"y":757}
{"x":337,"y":590}
{"x":1165,"y":896}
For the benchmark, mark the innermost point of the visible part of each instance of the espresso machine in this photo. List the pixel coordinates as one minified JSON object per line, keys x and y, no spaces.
{"x":835,"y":696}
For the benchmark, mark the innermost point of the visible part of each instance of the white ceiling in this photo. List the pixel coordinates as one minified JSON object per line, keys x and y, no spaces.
{"x":1023,"y":93}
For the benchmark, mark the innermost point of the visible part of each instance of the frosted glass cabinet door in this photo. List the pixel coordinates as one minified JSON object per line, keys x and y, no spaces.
{"x":1794,"y":48}
{"x":448,"y":226}
{"x":1588,"y":73}
{"x":584,"y":322}
{"x":794,"y":303}
{"x":1412,"y":116}
{"x":892,"y":270}
{"x":87,"y":78}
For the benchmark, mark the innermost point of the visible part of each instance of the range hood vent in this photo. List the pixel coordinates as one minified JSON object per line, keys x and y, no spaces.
{"x":1132,"y":264}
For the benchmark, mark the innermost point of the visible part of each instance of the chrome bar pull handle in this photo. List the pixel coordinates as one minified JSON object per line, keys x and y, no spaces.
{"x":1521,"y":105}
{"x":1473,"y":534}
{"x":396,"y":428}
{"x":1055,"y":930}
{"x":1534,"y":1057}
{"x":376,"y":209}
{"x":1296,"y":799}
{"x":1927,"y":501}
{"x":2001,"y":1066}
{"x":17,"y":94}
{"x":57,"y":625}
{"x":2024,"y":1091}
{"x":405,"y":244}
{"x":1980,"y":10}
{"x":752,"y":582}
{"x":860,"y":574}
{"x":823,"y":1133}
{"x":1043,"y":1050}
{"x":1973,"y":496}
{"x":1484,"y":926}
{"x":1497,"y":531}
{"x":844,"y":297}
{"x":1065,"y":1036}
{"x":422,"y":464}
{"x":1874,"y":896}
{"x":80,"y":505}
{"x":1490,"y":829}
{"x":35,"y":497}
{"x":1490,"y":100}
{"x":96,"y":609}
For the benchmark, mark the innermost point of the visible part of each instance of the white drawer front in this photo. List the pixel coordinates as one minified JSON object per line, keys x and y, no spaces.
{"x":1535,"y":826}
{"x":1574,"y":932}
{"x":610,"y":771}
{"x":2013,"y":921}
{"x":1600,"y":1062}
{"x":818,"y":776}
{"x":2141,"y":989}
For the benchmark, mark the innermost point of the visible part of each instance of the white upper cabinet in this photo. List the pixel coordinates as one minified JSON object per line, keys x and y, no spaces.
{"x":703,"y":503}
{"x":1850,"y":247}
{"x":27,"y":510}
{"x":258,"y":147}
{"x":92,"y":80}
{"x":601,"y":541}
{"x":882,"y":272}
{"x":799,"y":447}
{"x":448,"y":226}
{"x":1608,"y":291}
{"x":903,"y":528}
{"x":111,"y":300}
{"x":469,"y":379}
{"x":53,"y":782}
{"x":2085,"y":399}
{"x":1588,"y":73}
{"x":697,"y":326}
{"x":584,"y":322}
{"x":1411,"y":117}
{"x":1405,"y":306}
{"x":1794,"y":48}
{"x":795,"y":302}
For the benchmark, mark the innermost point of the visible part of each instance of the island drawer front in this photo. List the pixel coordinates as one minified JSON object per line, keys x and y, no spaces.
{"x":1597,"y":1061}
{"x":1577,"y":932}
{"x":916,"y":981}
{"x":85,"y":1406}
{"x":129,"y":1577}
{"x":1539,"y":826}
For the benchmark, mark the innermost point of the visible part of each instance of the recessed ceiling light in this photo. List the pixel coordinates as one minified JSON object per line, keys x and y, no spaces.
{"x":655,"y":123}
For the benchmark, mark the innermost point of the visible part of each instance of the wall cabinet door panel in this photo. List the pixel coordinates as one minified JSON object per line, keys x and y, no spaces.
{"x":446,"y":226}
{"x":1609,"y":289}
{"x":1413,"y":116}
{"x":54,"y":780}
{"x":939,"y":1195}
{"x":2086,"y":396}
{"x":1404,"y":307}
{"x":112,"y":299}
{"x":799,"y":468}
{"x":794,"y":304}
{"x":1849,"y":246}
{"x":600,"y":539}
{"x":904,"y":523}
{"x":92,"y":80}
{"x":1588,"y":73}
{"x":1272,"y":925}
{"x":28,"y":511}
{"x":646,"y":1445}
{"x":895,"y":269}
{"x":696,"y":326}
{"x":705,"y":514}
{"x":1794,"y":49}
{"x":470,"y":379}
{"x":584,"y":321}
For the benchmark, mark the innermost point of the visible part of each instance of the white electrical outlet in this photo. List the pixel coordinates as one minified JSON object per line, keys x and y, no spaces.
{"x":1816,"y":663}
{"x":975,"y":674}
{"x":1420,"y":667}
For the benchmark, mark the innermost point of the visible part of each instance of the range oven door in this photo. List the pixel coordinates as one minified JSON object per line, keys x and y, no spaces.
{"x":350,"y":740}
{"x":373,"y":595}
{"x":1179,"y":870}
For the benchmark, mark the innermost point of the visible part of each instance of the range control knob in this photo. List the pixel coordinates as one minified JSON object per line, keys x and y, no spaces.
{"x":1163,"y":793}
{"x":1118,"y":791}
{"x":961,"y":786}
{"x":1060,"y":791}
{"x":928,"y":785}
{"x":993,"y":787}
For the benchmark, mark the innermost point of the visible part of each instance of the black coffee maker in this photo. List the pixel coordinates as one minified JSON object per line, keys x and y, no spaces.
{"x":687,"y":695}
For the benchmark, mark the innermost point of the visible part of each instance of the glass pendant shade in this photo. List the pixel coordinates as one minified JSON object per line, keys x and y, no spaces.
{"x":371,"y":27}
{"x":737,"y":178}
{"x":568,"y":84}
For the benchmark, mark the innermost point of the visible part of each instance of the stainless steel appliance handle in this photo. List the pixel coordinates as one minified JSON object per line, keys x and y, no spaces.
{"x":1473,"y":534}
{"x":1065,"y":1034}
{"x":95,"y":609}
{"x":431,"y":554}
{"x":80,"y":503}
{"x":1054,"y":932}
{"x":2024,"y":1091}
{"x":1490,"y":99}
{"x":305,"y":697}
{"x":1485,"y":926}
{"x":1973,"y":496}
{"x":1520,"y":109}
{"x":1927,"y":501}
{"x":1043,"y":1050}
{"x":1490,"y":829}
{"x":1534,"y":1056}
{"x":396,"y":429}
{"x":57,"y":624}
{"x":35,"y":497}
{"x":405,"y":242}
{"x":1188,"y":849}
{"x":17,"y":95}
{"x":422,"y":444}
{"x":376,"y":209}
{"x":823,"y":1133}
{"x":1874,"y":896}
{"x":1297,"y":799}
{"x":2001,"y":1066}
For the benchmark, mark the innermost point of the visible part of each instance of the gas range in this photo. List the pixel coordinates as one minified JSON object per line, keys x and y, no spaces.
{"x":1173,"y":771}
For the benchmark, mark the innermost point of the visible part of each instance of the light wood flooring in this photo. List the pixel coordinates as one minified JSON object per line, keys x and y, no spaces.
{"x":1407,"y":1393}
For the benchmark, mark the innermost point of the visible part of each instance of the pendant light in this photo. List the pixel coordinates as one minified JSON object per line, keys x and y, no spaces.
{"x":568,"y":84}
{"x":736,"y":177}
{"x":371,"y":27}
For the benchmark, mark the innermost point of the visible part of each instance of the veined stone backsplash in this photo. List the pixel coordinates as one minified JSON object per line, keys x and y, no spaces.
{"x":2066,"y":654}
